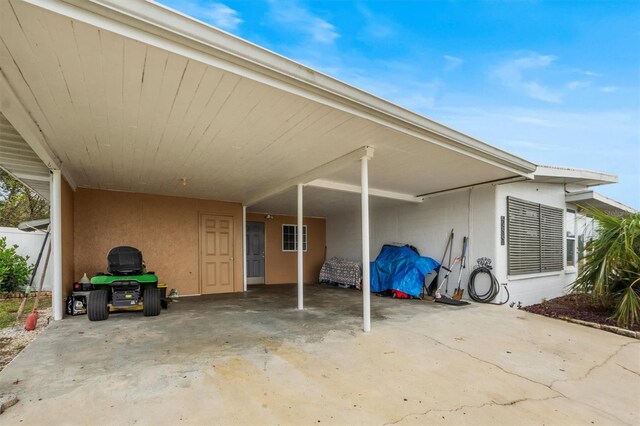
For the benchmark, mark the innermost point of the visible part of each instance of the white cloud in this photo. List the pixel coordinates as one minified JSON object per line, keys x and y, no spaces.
{"x":296,"y":17}
{"x":533,"y":120}
{"x":608,"y":89}
{"x":512,"y":74}
{"x":375,"y":26}
{"x":216,"y":14}
{"x":223,"y":16}
{"x":578,"y":84}
{"x":453,"y":62}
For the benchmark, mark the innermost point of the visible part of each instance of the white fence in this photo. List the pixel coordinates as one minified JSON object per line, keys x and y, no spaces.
{"x":29,"y":244}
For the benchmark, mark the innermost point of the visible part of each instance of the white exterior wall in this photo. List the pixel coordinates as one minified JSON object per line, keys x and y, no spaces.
{"x":475,"y":213}
{"x":425,"y":226}
{"x":29,"y":244}
{"x":532,"y":288}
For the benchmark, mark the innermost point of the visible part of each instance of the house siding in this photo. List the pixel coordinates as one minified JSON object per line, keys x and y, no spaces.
{"x":281,"y":267}
{"x":475,"y":213}
{"x":164,"y":228}
{"x":69,"y":274}
{"x":426,"y":226}
{"x":530,"y":289}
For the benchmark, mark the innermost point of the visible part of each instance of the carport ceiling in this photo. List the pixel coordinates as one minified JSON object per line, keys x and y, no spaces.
{"x":126,"y":115}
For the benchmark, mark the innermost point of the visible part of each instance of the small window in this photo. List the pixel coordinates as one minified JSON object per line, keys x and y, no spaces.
{"x":570,"y":226}
{"x":290,"y":238}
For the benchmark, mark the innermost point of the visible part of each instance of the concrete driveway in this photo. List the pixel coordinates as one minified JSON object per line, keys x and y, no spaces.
{"x":254,"y":359}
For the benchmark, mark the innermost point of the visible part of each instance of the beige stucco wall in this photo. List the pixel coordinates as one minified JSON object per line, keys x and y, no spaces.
{"x":281,"y":267}
{"x":68,"y":271}
{"x":164,"y":228}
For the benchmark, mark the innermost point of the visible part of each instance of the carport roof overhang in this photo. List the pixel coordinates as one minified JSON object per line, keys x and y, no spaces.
{"x":133,"y":96}
{"x":592,"y":199}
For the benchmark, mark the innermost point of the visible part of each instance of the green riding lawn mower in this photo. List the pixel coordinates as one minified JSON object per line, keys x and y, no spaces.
{"x":126,"y":286}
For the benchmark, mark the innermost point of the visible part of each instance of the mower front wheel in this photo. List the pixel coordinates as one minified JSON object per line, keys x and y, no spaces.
{"x":98,"y":305}
{"x":151,"y":304}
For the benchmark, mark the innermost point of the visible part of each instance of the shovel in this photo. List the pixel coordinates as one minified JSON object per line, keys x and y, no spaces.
{"x":458,"y":292}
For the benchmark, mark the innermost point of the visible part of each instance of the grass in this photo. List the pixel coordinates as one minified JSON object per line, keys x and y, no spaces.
{"x":9,"y":309}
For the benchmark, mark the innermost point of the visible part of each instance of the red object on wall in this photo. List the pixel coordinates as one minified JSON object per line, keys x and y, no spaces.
{"x":32,"y":321}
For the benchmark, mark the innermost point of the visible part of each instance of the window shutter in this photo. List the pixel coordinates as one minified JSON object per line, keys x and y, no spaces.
{"x":523,"y":236}
{"x":551,"y":238}
{"x":534,"y":237}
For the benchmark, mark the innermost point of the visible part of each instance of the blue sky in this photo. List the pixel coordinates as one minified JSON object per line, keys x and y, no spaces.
{"x":554,"y":82}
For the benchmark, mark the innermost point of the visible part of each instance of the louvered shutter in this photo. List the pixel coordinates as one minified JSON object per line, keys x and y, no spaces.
{"x":534,"y":237}
{"x":551,"y":238}
{"x":523,"y":236}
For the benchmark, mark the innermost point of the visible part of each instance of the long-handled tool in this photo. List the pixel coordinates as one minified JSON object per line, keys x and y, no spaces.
{"x":457,"y":294}
{"x":33,"y":275}
{"x":434,"y":283}
{"x":445,"y":280}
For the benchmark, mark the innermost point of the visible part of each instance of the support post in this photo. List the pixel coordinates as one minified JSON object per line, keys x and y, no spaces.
{"x":366,"y":292}
{"x":300,"y":249}
{"x":56,"y":244}
{"x":244,"y":248}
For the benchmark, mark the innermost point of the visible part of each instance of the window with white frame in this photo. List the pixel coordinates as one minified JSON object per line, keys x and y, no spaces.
{"x":534,"y":237}
{"x":570,"y":227}
{"x":290,"y":237}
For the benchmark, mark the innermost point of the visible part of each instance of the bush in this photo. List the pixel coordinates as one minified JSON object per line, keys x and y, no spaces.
{"x":611,"y":269}
{"x":15,"y":271}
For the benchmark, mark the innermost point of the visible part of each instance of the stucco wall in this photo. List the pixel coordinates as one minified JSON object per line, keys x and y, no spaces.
{"x":530,"y":289}
{"x":475,"y":213}
{"x":69,"y":274}
{"x":426,"y":226}
{"x":281,"y":267}
{"x":164,"y":228}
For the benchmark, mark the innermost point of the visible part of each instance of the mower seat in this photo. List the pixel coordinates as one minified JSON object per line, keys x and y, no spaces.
{"x":125,"y":260}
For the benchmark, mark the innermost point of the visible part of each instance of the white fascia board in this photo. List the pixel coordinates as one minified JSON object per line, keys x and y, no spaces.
{"x":316,"y":173}
{"x":578,"y":174}
{"x":590,"y":195}
{"x":345,"y":187}
{"x":159,"y":26}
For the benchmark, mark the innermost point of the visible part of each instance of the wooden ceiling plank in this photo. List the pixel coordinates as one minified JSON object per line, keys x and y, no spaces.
{"x":154,"y":69}
{"x":133,"y":59}
{"x":18,"y":63}
{"x":194,"y":73}
{"x":97,"y":139}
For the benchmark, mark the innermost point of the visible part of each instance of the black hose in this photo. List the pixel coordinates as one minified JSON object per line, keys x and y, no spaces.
{"x":494,"y":287}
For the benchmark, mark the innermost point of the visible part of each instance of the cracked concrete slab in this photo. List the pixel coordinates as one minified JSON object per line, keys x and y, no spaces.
{"x":255,"y":359}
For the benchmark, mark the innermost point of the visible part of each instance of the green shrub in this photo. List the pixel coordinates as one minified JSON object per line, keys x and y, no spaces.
{"x":611,"y":268}
{"x":15,"y":271}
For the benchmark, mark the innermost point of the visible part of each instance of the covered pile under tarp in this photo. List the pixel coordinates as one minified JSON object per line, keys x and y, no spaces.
{"x":400,"y":268}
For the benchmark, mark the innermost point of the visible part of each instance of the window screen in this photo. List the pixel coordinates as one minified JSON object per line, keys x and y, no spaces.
{"x":534,"y":237}
{"x":290,"y":238}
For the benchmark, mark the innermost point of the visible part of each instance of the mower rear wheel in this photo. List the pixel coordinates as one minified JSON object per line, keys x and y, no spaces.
{"x":98,"y":305}
{"x":151,"y":302}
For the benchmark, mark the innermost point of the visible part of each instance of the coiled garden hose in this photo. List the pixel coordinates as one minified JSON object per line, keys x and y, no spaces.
{"x":484,"y":267}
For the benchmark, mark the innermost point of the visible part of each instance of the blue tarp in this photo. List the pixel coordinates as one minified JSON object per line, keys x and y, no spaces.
{"x":400,"y":268}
